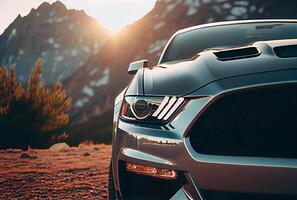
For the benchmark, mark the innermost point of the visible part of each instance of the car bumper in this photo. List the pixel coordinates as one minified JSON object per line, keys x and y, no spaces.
{"x":167,"y":147}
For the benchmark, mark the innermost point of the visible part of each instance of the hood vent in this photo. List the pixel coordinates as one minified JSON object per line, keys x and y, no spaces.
{"x":237,"y":53}
{"x":286,"y":51}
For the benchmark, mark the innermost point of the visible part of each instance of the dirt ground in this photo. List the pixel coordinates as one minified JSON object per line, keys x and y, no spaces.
{"x":71,"y":173}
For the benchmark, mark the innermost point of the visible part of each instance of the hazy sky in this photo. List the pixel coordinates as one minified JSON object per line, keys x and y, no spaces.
{"x":113,"y":14}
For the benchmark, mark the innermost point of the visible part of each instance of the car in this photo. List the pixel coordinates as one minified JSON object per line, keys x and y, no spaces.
{"x":216,"y":118}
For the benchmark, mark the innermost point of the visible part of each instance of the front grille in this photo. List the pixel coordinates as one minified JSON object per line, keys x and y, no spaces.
{"x":261,"y":122}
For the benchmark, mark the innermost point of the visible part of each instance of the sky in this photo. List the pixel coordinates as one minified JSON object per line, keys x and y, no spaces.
{"x":113,"y":14}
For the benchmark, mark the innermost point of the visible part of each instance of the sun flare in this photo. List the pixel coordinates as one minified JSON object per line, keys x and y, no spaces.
{"x":113,"y":14}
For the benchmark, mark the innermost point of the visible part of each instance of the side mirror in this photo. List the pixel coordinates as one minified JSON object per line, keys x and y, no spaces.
{"x":135,"y":66}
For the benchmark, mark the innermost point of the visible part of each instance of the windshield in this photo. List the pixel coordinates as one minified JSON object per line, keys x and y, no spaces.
{"x":188,"y":44}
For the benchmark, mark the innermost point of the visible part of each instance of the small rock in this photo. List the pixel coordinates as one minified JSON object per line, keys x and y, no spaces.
{"x":59,"y":146}
{"x":96,"y":149}
{"x":26,"y":155}
{"x":87,"y":154}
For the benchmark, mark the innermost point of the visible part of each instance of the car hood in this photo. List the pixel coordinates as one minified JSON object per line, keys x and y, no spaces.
{"x":184,"y":77}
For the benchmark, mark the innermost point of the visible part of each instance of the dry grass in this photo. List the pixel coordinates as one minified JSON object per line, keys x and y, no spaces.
{"x":73,"y":173}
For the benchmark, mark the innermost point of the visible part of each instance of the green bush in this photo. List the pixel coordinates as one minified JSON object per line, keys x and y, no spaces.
{"x":31,"y":115}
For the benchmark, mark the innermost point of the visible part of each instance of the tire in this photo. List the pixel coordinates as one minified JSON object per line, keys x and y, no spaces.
{"x":111,"y":190}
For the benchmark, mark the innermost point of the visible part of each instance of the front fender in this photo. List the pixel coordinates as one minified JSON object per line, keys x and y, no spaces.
{"x":136,"y":85}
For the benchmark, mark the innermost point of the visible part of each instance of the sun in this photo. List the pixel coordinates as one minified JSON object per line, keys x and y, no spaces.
{"x":113,"y":14}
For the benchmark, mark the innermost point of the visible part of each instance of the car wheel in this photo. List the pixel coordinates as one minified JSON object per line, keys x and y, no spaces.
{"x":111,"y":190}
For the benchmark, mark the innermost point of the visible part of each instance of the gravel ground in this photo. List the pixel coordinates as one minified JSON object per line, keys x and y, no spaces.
{"x":71,"y":173}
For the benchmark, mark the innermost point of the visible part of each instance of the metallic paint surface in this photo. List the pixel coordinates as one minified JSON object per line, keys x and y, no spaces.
{"x":195,"y":74}
{"x":202,"y":82}
{"x":169,"y":149}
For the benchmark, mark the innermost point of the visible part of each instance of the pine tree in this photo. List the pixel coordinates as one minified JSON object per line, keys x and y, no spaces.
{"x":30,"y":116}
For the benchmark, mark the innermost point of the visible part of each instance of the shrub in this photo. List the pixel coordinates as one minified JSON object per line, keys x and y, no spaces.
{"x":31,"y":115}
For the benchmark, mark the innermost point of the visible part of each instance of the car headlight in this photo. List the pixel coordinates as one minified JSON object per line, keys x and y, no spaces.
{"x":153,"y":109}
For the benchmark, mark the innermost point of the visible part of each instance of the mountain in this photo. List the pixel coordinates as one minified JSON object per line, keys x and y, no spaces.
{"x":63,"y":38}
{"x":95,"y":84}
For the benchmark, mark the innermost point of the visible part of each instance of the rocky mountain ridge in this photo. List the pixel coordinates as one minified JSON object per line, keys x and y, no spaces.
{"x":62,"y":37}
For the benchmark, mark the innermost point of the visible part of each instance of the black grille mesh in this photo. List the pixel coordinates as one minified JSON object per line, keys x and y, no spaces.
{"x":260,"y":122}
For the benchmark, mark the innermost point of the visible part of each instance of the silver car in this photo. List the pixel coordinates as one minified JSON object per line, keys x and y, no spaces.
{"x":215,"y":119}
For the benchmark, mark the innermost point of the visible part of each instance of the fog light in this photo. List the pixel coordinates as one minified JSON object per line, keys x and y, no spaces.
{"x":151,"y":171}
